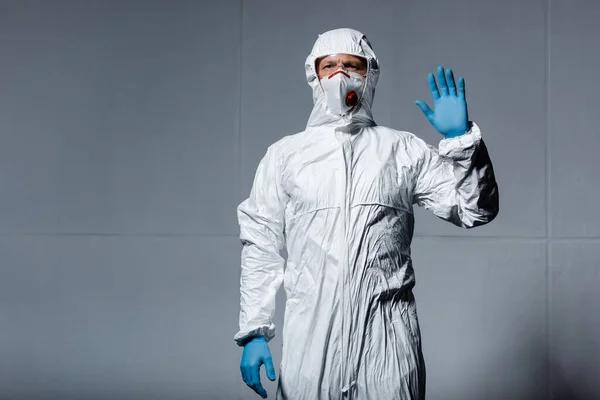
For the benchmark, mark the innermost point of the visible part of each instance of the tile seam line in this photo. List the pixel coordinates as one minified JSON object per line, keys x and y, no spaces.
{"x":547,"y":122}
{"x":239,"y":127}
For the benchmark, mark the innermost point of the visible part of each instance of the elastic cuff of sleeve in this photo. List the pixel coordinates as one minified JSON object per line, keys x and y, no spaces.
{"x":263,"y":331}
{"x":457,"y":146}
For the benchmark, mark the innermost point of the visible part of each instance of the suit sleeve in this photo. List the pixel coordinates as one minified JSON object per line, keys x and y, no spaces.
{"x":261,"y":220}
{"x":456,"y":183}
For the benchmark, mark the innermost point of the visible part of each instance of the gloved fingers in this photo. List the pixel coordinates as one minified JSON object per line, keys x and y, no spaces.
{"x":255,"y":381}
{"x":433,"y":86}
{"x":247,"y":374}
{"x":426,"y":110}
{"x":270,"y":368}
{"x":450,"y":82}
{"x":244,"y":375}
{"x":461,"y":88}
{"x":442,"y":81}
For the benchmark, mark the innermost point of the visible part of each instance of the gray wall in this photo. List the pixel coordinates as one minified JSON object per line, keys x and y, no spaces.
{"x":130,"y":131}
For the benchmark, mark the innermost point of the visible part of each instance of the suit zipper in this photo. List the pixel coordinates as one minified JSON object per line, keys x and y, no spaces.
{"x":347,"y":151}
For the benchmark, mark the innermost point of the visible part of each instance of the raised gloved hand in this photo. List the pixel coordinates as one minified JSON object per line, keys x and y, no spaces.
{"x":449,"y":116}
{"x":256,"y":352}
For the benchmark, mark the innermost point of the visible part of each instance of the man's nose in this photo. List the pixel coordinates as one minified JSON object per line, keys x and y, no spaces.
{"x":341,"y":66}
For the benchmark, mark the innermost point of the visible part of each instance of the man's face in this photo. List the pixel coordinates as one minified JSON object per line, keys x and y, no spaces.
{"x":329,"y":64}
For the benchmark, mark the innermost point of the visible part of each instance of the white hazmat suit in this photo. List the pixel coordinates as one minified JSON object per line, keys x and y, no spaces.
{"x":330,"y":215}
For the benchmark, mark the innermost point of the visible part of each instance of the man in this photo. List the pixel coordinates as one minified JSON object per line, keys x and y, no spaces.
{"x":330,"y":215}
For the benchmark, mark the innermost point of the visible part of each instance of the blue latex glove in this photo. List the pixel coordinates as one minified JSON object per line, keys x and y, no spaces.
{"x":256,"y":352}
{"x":449,"y":117}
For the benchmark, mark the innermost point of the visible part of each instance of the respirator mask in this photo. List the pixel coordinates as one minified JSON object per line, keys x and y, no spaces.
{"x":343,"y":91}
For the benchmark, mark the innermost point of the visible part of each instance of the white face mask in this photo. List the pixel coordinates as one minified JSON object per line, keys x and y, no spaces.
{"x":342,"y":91}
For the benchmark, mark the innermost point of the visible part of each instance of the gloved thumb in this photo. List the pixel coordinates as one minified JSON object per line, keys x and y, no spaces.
{"x":270,"y":369}
{"x":425,"y":108}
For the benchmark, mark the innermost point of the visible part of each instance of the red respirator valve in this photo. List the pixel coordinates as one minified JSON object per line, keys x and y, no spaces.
{"x":351,"y":99}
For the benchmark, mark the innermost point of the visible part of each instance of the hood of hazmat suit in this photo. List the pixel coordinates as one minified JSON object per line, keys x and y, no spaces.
{"x":346,"y":41}
{"x":330,"y":215}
